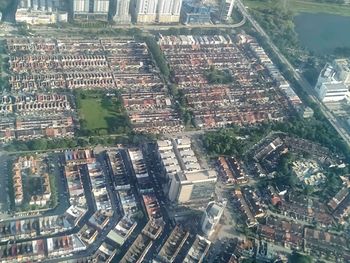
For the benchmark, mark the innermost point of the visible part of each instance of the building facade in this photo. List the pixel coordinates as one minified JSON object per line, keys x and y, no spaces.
{"x":169,"y":11}
{"x":226,"y":9}
{"x":212,"y":216}
{"x":146,"y":11}
{"x":195,"y":13}
{"x":91,"y":9}
{"x":122,"y":14}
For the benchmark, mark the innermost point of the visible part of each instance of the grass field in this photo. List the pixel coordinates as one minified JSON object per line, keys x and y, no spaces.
{"x":100,"y":114}
{"x":94,"y":114}
{"x":298,"y":6}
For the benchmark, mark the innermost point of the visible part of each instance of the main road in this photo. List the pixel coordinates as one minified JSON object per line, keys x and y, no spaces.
{"x":298,"y":77}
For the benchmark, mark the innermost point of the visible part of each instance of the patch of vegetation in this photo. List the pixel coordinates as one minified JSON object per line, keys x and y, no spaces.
{"x":158,"y":55}
{"x":229,"y":142}
{"x":216,"y":76}
{"x":101,"y":114}
{"x":299,"y":258}
{"x":180,"y":103}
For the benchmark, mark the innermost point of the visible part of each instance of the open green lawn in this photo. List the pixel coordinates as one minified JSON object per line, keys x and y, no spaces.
{"x":100,"y":114}
{"x":298,"y":6}
{"x":94,"y":114}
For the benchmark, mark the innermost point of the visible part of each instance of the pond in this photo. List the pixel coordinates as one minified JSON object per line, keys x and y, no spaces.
{"x":323,"y":33}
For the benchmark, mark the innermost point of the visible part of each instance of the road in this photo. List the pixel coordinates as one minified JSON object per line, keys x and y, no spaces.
{"x":45,"y":30}
{"x":298,"y":77}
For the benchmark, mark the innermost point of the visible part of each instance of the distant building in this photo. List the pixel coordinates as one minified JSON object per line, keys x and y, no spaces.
{"x":187,"y":181}
{"x":226,"y":9}
{"x":195,"y":13}
{"x":334,"y":81}
{"x":122,"y":15}
{"x":211,"y":217}
{"x":146,"y":11}
{"x":169,"y":11}
{"x":41,"y":12}
{"x":91,"y":9}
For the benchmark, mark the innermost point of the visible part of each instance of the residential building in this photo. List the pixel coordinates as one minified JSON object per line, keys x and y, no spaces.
{"x":146,"y":11}
{"x":91,"y":9}
{"x":122,"y":15}
{"x":198,"y":250}
{"x":169,"y":11}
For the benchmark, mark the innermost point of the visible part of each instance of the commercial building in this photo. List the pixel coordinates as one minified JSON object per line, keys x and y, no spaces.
{"x":194,"y":12}
{"x":187,"y":180}
{"x":41,"y":12}
{"x":334,"y":81}
{"x":122,"y":15}
{"x":212,"y":216}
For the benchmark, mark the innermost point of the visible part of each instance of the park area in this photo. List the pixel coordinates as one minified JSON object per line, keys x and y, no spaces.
{"x":101,"y":113}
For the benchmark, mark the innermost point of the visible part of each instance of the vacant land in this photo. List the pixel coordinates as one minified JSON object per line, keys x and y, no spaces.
{"x":299,"y":6}
{"x":101,"y":114}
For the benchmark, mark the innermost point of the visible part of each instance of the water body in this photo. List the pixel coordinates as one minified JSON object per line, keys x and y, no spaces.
{"x":323,"y":33}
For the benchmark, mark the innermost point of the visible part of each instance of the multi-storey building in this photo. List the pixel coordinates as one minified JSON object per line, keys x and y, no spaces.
{"x":226,"y":8}
{"x":169,"y":11}
{"x":122,"y":14}
{"x":188,"y":181}
{"x":41,"y":11}
{"x":146,"y":11}
{"x":91,"y":9}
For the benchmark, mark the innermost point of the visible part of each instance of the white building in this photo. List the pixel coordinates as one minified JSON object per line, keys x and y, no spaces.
{"x":226,"y":9}
{"x":342,"y":68}
{"x":169,"y":11}
{"x":80,"y":6}
{"x":39,"y":17}
{"x":122,"y":14}
{"x":91,"y":9}
{"x":333,"y":82}
{"x":101,"y":6}
{"x":211,"y":217}
{"x":187,"y":180}
{"x":146,"y":11}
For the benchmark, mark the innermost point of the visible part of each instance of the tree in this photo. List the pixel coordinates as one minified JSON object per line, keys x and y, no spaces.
{"x":299,"y":258}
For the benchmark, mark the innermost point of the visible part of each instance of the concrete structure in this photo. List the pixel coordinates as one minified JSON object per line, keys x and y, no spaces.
{"x":36,"y":12}
{"x":187,"y":180}
{"x":211,"y":217}
{"x":91,"y":9}
{"x":195,"y":13}
{"x":169,"y":11}
{"x":226,"y":9}
{"x":146,"y":11}
{"x":122,"y":15}
{"x":328,"y":92}
{"x":198,"y":250}
{"x":334,"y":81}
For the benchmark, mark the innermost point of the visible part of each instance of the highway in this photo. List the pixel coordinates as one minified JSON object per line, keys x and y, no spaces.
{"x":298,"y":77}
